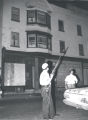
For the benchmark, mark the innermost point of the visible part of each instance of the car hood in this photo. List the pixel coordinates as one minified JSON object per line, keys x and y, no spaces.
{"x":82,"y":91}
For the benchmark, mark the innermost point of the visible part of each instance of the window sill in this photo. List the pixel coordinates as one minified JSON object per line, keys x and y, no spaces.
{"x":15,"y":46}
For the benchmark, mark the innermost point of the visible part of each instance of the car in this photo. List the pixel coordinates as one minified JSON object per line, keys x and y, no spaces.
{"x":77,"y":97}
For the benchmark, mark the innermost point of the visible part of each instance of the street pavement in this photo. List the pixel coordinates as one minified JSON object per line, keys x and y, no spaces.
{"x":30,"y":108}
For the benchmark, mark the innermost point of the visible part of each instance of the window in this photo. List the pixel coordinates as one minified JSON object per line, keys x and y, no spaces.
{"x":48,"y":21}
{"x":14,"y":39}
{"x":79,"y":31}
{"x":30,"y":16}
{"x":15,"y":14}
{"x":61,"y":25}
{"x":40,"y":17}
{"x":39,"y":40}
{"x":62,"y":46}
{"x":81,"y":50}
{"x":42,"y":41}
{"x":31,"y":40}
{"x":49,"y":43}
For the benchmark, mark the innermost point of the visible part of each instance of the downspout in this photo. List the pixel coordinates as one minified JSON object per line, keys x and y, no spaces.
{"x":2,"y":70}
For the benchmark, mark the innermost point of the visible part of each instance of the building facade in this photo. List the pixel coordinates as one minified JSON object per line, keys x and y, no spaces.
{"x":35,"y":31}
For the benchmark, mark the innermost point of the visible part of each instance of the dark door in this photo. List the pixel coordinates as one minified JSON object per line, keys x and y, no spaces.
{"x":86,"y":76}
{"x":29,"y":79}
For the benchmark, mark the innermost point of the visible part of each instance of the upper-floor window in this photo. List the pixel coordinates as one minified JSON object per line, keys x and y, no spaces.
{"x":81,"y":50}
{"x":49,"y":43}
{"x":14,"y":39}
{"x":39,"y":17}
{"x":61,"y":25}
{"x":15,"y":14}
{"x":79,"y":30}
{"x":39,"y":40}
{"x":31,"y":40}
{"x":62,"y":46}
{"x":42,"y":41}
{"x":31,"y":16}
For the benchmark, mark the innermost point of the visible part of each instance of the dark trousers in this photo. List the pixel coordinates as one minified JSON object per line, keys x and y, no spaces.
{"x":47,"y":104}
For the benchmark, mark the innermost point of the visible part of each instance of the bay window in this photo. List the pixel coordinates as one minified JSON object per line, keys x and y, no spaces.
{"x":38,"y":17}
{"x":38,"y":40}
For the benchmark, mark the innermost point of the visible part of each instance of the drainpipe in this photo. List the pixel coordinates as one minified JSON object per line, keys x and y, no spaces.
{"x":2,"y":70}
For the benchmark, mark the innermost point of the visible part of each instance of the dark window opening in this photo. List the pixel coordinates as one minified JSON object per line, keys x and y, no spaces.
{"x":79,"y":30}
{"x":15,"y":14}
{"x":62,"y":46}
{"x":81,"y":50}
{"x":61,"y":25}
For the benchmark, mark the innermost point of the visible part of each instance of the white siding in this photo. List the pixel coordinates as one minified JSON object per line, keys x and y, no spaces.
{"x":70,"y":17}
{"x":21,"y":26}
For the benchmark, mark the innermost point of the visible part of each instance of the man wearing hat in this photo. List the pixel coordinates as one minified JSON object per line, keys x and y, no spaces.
{"x":45,"y":82}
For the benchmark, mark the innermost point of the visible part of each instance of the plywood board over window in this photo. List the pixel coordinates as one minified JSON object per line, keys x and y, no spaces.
{"x":14,"y":74}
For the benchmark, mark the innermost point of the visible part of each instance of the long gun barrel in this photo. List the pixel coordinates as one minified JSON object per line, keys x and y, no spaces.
{"x":59,"y":61}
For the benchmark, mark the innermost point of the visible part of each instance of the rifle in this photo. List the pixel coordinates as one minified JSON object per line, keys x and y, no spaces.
{"x":59,"y":61}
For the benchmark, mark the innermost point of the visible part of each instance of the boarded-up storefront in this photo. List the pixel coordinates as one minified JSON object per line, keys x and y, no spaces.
{"x":14,"y":74}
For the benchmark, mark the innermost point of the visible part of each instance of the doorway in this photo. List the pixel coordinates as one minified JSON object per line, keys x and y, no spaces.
{"x":29,"y":76}
{"x":86,"y":76}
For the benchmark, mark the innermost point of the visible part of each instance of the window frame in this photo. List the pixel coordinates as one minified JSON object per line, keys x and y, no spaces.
{"x":47,"y":18}
{"x":61,"y":25}
{"x":14,"y":39}
{"x":32,"y":18}
{"x":79,"y":30}
{"x":62,"y":46}
{"x":81,"y":50}
{"x":42,"y":44}
{"x":41,"y":14}
{"x":28,"y":40}
{"x":15,"y":14}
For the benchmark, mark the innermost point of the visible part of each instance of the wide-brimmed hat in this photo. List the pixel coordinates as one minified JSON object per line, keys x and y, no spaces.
{"x":44,"y":66}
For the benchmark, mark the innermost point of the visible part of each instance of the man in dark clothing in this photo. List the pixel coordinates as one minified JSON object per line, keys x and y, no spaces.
{"x":53,"y":85}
